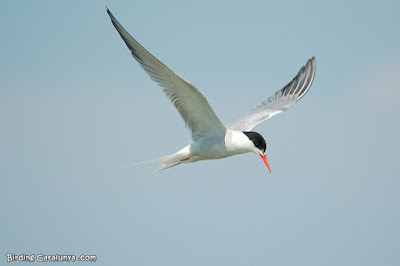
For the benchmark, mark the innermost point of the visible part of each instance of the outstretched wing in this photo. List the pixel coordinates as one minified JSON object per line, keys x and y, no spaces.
{"x":280,"y":101}
{"x":190,"y":103}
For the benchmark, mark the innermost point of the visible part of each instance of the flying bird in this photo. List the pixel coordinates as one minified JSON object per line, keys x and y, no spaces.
{"x":210,"y":138}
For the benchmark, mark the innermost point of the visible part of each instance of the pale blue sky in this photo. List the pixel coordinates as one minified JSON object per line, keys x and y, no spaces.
{"x":75,"y":107}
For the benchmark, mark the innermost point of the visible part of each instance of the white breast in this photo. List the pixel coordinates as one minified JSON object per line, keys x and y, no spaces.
{"x":217,"y":147}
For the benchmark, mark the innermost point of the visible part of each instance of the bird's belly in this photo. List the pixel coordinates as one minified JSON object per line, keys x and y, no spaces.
{"x":210,"y":149}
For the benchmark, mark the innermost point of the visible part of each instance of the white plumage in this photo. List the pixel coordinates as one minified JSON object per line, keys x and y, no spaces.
{"x":211,"y":139}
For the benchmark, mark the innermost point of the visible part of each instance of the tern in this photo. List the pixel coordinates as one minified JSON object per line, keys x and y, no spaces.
{"x":210,"y":138}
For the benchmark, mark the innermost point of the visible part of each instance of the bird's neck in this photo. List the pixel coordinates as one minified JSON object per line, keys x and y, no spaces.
{"x":237,"y":142}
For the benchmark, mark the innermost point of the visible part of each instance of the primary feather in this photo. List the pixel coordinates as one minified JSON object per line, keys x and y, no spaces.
{"x":280,"y":101}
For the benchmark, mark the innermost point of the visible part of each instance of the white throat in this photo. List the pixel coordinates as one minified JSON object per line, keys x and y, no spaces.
{"x":237,"y":142}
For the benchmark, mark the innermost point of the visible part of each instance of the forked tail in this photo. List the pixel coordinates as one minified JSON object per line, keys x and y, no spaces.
{"x":166,"y":162}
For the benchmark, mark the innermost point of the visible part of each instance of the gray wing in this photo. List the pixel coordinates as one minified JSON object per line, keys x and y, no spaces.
{"x":190,"y":103}
{"x":280,"y":101}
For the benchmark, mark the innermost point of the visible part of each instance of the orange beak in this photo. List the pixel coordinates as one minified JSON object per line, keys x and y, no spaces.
{"x":265,"y":161}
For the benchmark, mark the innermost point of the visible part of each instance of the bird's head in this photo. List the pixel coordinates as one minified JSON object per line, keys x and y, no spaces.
{"x":259,"y":145}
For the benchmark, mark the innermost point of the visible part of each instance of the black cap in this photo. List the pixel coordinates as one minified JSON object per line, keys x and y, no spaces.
{"x":257,"y":139}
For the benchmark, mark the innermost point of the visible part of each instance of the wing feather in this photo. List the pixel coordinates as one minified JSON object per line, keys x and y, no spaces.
{"x":280,"y":101}
{"x":190,"y":103}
